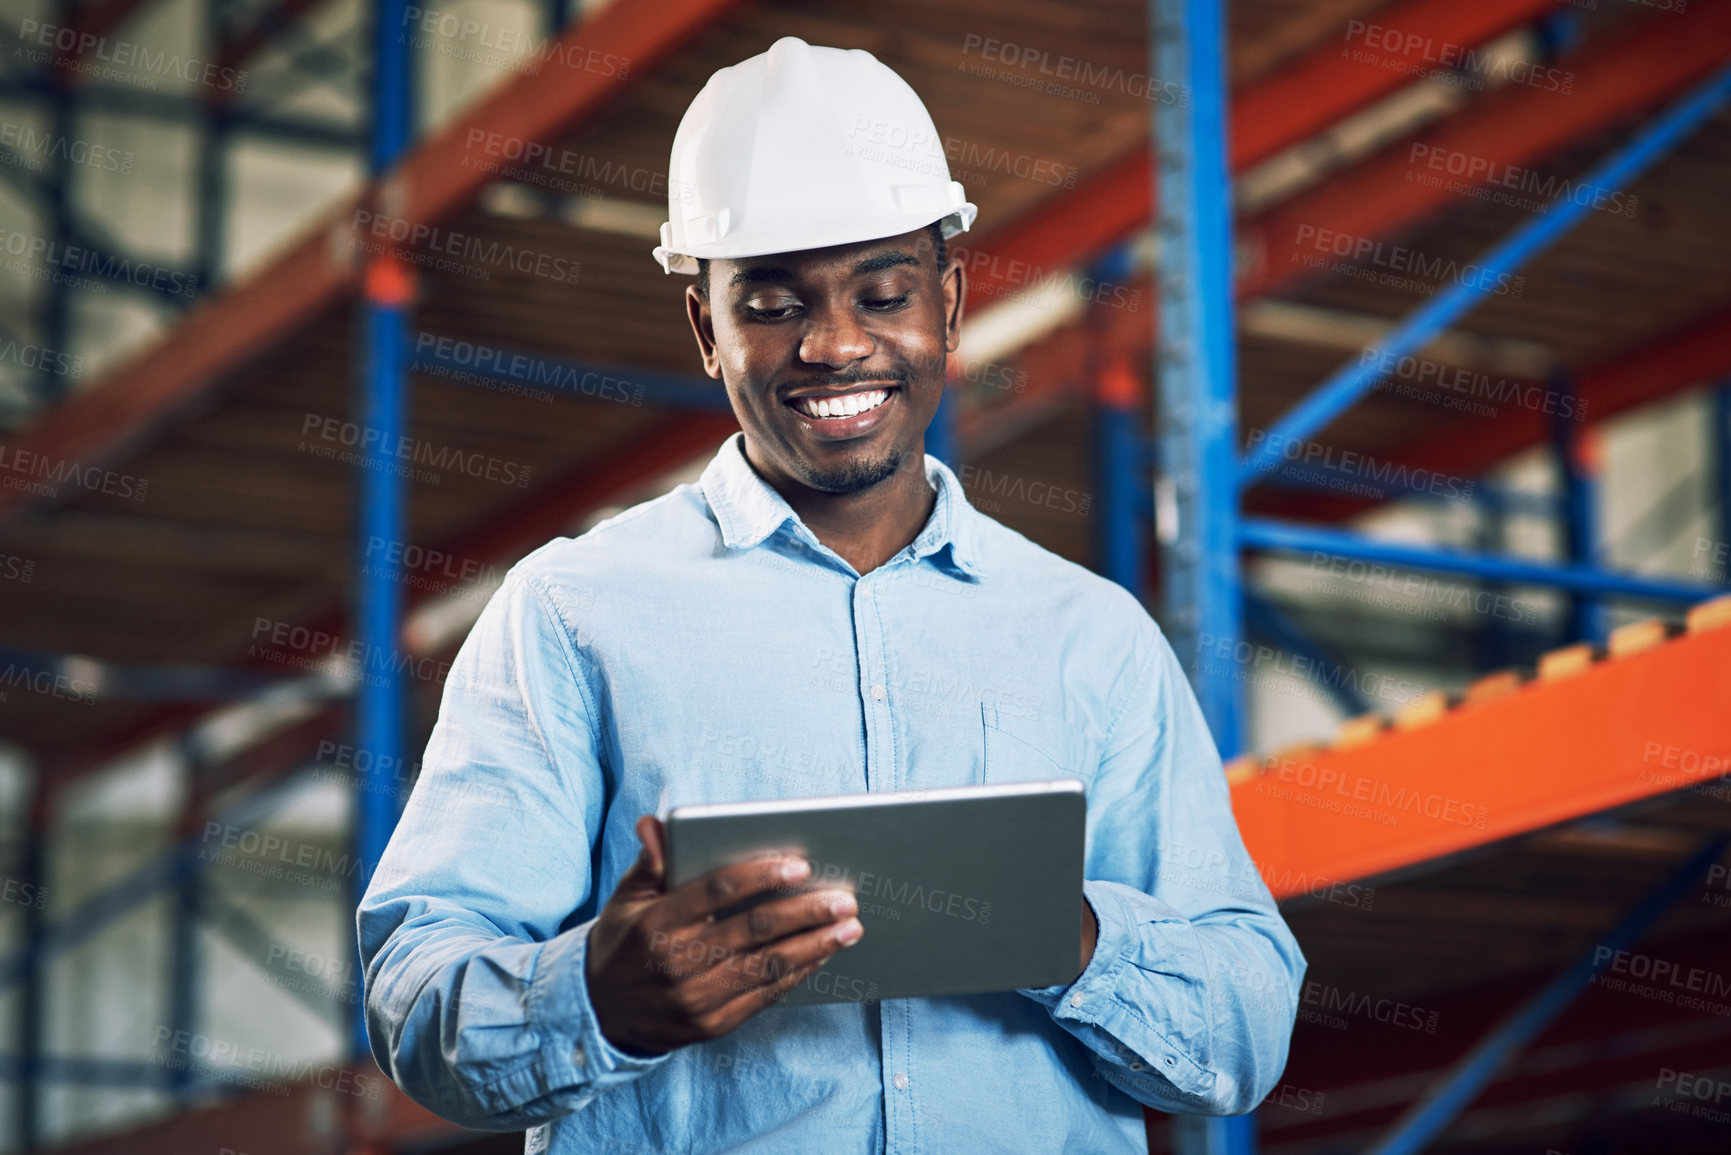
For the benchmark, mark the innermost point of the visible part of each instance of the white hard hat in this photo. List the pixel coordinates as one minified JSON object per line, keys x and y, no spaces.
{"x":801,"y":148}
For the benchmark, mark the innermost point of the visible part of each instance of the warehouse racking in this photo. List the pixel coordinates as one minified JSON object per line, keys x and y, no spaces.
{"x":1592,"y":786}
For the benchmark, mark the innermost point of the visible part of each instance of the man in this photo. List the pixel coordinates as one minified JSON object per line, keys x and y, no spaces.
{"x":822,"y":613}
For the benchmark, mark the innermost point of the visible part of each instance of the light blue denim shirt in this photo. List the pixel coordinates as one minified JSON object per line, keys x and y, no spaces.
{"x":705,"y":646}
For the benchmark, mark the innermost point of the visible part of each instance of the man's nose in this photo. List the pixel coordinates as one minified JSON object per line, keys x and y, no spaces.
{"x":834,"y":337}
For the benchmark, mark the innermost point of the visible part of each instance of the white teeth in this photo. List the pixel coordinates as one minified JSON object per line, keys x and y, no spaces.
{"x":848,"y":405}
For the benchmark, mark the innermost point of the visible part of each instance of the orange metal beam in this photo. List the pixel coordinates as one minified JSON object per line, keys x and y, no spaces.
{"x":1327,"y":84}
{"x":500,"y":541}
{"x":1621,"y":730}
{"x":1699,"y":353}
{"x":216,"y":339}
{"x":1267,"y":116}
{"x":616,"y":45}
{"x":1660,"y":57}
{"x":193,"y":361}
{"x":600,"y":482}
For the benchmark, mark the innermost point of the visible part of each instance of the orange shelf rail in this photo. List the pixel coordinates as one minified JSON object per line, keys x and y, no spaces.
{"x":1587,"y":735}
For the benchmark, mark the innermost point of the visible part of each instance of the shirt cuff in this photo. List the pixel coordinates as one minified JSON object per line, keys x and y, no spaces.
{"x":1107,"y":949}
{"x":1140,"y":1002}
{"x":574,"y":1052}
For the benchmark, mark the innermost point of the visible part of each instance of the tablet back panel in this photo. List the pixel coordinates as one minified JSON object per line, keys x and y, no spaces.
{"x":961,"y":891}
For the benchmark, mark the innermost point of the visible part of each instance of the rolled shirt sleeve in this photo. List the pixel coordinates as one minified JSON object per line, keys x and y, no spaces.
{"x":476,"y":1001}
{"x":1188,"y":1002}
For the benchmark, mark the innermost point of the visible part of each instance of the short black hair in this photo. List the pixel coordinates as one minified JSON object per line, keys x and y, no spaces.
{"x":936,"y":228}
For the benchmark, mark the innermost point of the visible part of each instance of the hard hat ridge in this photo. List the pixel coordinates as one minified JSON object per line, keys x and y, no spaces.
{"x":799,"y":148}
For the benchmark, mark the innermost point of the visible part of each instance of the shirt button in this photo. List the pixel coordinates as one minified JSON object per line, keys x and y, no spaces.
{"x":901,"y":1081}
{"x":1076,"y":999}
{"x":878,"y":693}
{"x":865,"y":592}
{"x":579,"y":1057}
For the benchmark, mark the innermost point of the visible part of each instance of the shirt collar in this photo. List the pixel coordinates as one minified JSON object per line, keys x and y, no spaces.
{"x":749,"y":510}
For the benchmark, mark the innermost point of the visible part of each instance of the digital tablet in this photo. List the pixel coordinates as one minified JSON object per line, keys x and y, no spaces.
{"x":960,"y":891}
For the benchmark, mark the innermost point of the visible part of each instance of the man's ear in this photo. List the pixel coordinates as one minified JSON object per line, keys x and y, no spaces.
{"x":703,"y":326}
{"x":955,"y":284}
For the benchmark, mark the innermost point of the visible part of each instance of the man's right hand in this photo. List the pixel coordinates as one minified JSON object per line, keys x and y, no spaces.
{"x":664,"y":972}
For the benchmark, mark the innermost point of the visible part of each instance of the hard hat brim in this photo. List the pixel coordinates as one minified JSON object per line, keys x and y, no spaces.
{"x":953,"y":223}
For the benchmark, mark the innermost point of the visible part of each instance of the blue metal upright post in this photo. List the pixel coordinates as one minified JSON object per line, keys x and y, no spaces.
{"x":384,"y":418}
{"x":1122,"y":449}
{"x":1197,"y":495}
{"x":1575,"y":473}
{"x":1196,"y":499}
{"x":941,"y":441}
{"x":1491,"y":537}
{"x":1121,"y":455}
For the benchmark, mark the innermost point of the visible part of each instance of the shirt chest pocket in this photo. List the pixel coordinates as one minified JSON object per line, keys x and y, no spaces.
{"x":1029,"y":746}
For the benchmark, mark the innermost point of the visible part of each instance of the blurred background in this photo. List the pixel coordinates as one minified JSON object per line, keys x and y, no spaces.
{"x":316,"y":315}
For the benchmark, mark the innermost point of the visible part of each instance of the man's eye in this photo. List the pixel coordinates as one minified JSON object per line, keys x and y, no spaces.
{"x":773,"y":311}
{"x":885,"y":304}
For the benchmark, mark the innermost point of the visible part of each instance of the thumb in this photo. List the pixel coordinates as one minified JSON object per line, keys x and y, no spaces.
{"x":653,"y":860}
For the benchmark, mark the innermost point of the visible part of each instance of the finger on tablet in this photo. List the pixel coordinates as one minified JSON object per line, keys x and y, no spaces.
{"x":791,"y":965}
{"x":748,"y":974}
{"x":728,"y":886}
{"x":780,"y":917}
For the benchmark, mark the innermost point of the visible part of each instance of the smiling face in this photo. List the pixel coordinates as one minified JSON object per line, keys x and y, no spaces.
{"x":833,"y":358}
